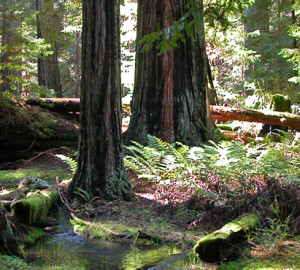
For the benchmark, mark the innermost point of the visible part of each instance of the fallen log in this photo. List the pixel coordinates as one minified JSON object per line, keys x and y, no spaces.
{"x":35,"y":207}
{"x":222,"y":243}
{"x":219,"y":113}
{"x":226,"y":114}
{"x":57,"y":104}
{"x":26,"y":130}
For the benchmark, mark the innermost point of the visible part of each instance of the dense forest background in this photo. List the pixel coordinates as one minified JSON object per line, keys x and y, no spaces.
{"x":135,"y":125}
{"x":252,"y":49}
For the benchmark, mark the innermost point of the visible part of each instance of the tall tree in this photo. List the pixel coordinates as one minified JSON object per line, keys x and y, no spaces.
{"x":100,"y":166}
{"x":169,"y":97}
{"x":10,"y":38}
{"x":48,"y":29}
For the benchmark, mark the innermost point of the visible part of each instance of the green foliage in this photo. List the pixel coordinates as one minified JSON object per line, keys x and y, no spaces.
{"x":186,"y":27}
{"x":70,"y":161}
{"x":293,"y":54}
{"x":20,"y":48}
{"x":83,"y":194}
{"x":233,"y":163}
{"x":12,"y":262}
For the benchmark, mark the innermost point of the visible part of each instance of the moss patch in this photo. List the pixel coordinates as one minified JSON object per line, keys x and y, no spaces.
{"x":222,"y":243}
{"x":280,"y":103}
{"x":34,"y":207}
{"x":30,"y":234}
{"x":12,"y":177}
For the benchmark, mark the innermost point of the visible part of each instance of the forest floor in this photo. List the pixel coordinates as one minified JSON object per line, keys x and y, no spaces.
{"x":167,"y":214}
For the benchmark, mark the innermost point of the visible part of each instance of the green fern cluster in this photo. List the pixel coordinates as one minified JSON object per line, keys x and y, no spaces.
{"x":228,"y":160}
{"x":158,"y":160}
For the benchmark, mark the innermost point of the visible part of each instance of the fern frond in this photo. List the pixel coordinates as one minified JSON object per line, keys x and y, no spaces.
{"x":70,"y":161}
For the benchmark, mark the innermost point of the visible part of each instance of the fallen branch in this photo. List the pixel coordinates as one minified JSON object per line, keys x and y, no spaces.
{"x":63,"y":198}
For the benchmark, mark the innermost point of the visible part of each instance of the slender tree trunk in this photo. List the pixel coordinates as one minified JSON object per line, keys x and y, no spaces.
{"x":169,"y":98}
{"x":257,"y":18}
{"x":294,"y":21}
{"x":100,"y":165}
{"x":48,"y":29}
{"x":77,"y":64}
{"x":10,"y":75}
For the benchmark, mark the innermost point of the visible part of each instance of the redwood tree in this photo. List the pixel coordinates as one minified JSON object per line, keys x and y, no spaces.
{"x":100,"y":166}
{"x":169,"y":98}
{"x":48,"y":29}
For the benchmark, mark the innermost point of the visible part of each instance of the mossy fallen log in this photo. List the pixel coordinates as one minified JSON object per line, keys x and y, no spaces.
{"x":34,"y":207}
{"x":222,"y":243}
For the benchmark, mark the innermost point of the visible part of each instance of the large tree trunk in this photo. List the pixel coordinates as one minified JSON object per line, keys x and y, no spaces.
{"x":100,"y":165}
{"x":48,"y":29}
{"x":169,"y":98}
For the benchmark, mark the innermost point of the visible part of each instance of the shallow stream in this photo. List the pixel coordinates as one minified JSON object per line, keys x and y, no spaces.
{"x":66,"y":250}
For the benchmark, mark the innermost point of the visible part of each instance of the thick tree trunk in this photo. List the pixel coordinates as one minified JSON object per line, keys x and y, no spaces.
{"x":100,"y":165}
{"x":48,"y":29}
{"x":169,"y":98}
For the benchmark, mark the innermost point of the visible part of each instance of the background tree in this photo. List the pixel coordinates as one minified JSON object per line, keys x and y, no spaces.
{"x":48,"y":28}
{"x":169,"y":97}
{"x":100,"y":166}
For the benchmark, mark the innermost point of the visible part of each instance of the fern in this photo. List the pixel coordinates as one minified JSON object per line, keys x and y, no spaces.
{"x":70,"y":161}
{"x":83,"y":194}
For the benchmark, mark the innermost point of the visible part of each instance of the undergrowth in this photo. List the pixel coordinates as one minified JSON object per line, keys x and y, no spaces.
{"x":225,"y":179}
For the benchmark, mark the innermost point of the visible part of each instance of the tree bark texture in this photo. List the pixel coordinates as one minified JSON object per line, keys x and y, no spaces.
{"x":48,"y":29}
{"x":169,"y":98}
{"x":100,"y":165}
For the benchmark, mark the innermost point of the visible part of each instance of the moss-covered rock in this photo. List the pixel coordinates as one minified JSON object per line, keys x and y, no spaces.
{"x":222,"y":243}
{"x":34,"y":207}
{"x":280,"y":103}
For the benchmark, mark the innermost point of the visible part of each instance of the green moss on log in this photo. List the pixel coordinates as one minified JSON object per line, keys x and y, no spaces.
{"x":31,"y":234}
{"x":35,"y":207}
{"x":222,"y":243}
{"x":280,"y":103}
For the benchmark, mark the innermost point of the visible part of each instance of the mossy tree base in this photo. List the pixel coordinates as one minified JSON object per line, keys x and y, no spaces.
{"x":222,"y":243}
